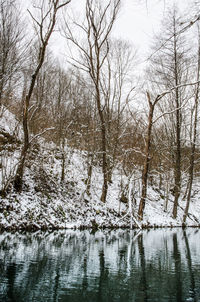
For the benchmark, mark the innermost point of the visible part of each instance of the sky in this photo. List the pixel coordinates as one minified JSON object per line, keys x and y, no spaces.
{"x":137,"y":22}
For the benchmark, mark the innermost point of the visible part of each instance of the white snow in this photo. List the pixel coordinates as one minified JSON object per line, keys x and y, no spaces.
{"x":46,"y":203}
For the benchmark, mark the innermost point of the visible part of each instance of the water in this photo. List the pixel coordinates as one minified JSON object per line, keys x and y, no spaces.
{"x":156,"y":265}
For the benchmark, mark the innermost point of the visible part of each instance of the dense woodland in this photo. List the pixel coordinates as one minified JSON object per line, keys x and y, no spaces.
{"x":96,"y":99}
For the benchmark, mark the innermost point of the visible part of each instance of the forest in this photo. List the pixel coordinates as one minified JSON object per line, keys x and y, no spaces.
{"x":133,"y":135}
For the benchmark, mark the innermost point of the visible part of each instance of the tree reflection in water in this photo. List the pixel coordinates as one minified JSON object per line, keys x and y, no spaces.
{"x":156,"y":265}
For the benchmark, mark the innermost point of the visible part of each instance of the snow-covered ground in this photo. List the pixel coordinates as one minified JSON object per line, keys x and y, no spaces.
{"x":45,"y":203}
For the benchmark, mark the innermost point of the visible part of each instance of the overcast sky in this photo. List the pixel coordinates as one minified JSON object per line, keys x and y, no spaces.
{"x":140,"y":20}
{"x":137,"y":22}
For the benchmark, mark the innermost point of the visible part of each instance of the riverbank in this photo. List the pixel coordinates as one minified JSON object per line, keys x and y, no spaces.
{"x":47,"y":203}
{"x":33,"y":211}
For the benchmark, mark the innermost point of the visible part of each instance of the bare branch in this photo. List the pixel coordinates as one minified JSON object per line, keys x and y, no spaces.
{"x":182,"y":30}
{"x":41,"y":133}
{"x":63,"y":4}
{"x":167,"y":113}
{"x":174,"y":88}
{"x":33,"y":17}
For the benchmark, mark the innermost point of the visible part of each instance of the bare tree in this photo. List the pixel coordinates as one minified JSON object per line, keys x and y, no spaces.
{"x":193,"y":135}
{"x":170,"y":67}
{"x":148,"y":139}
{"x":100,"y":18}
{"x":45,"y":26}
{"x":10,"y":45}
{"x":117,"y":91}
{"x":147,"y":155}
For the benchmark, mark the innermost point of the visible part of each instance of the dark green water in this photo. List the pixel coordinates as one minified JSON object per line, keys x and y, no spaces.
{"x":156,"y":265}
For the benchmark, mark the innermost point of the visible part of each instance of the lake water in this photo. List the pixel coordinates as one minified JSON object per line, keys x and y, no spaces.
{"x":155,"y":265}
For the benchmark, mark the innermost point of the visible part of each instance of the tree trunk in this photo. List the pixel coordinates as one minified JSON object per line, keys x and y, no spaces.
{"x":63,"y":157}
{"x":20,"y":169}
{"x":63,"y":167}
{"x":190,"y":183}
{"x":177,"y":184}
{"x":44,"y":39}
{"x":104,"y":167}
{"x":191,"y":169}
{"x":146,"y":160}
{"x":103,"y":140}
{"x":177,"y":178}
{"x":89,"y":176}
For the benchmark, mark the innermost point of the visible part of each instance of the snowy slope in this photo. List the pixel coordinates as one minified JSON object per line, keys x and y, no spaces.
{"x":45,"y":203}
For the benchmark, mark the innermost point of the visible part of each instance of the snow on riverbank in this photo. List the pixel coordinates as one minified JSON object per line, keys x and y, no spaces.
{"x":46,"y":203}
